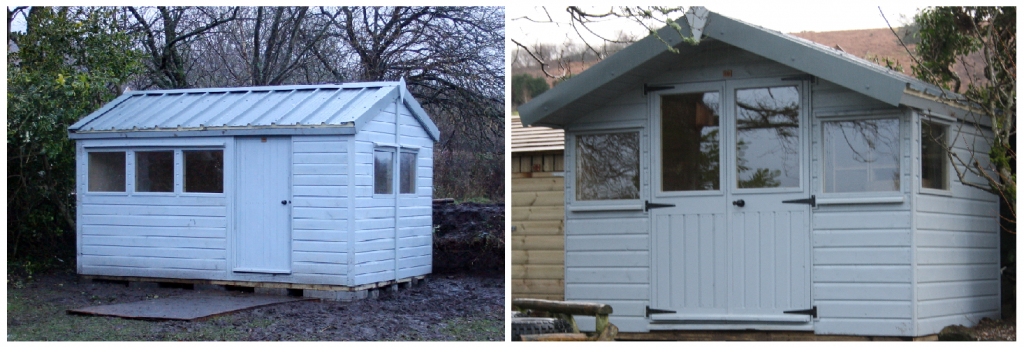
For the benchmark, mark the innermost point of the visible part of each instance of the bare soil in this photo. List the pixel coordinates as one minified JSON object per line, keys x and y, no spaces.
{"x":447,"y":307}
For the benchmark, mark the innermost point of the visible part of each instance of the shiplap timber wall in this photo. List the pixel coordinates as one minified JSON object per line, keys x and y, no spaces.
{"x":861,"y":256}
{"x":607,"y":254}
{"x":375,"y":230}
{"x":320,"y":213}
{"x":957,"y":239}
{"x":152,"y":234}
{"x":538,"y":218}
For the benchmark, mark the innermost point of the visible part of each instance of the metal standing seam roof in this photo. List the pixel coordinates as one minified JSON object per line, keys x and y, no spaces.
{"x":248,"y":108}
{"x":535,"y":139}
{"x":629,"y":68}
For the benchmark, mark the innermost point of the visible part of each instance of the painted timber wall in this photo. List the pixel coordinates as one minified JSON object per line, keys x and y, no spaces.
{"x":903,"y":264}
{"x":341,"y":233}
{"x":379,"y":254}
{"x":956,"y":237}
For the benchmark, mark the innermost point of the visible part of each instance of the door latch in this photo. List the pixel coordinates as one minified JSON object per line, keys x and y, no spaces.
{"x":809,"y":201}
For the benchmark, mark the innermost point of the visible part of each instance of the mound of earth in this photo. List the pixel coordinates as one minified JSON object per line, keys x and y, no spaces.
{"x":469,"y":238}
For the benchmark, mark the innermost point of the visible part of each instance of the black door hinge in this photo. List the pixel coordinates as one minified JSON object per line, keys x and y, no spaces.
{"x":813,"y":312}
{"x":809,"y":201}
{"x":648,"y":311}
{"x":648,"y":205}
{"x":648,"y":89}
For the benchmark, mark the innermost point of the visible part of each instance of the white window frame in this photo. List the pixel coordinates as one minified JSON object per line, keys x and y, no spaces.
{"x":129,"y":179}
{"x":894,"y":196}
{"x":919,"y":152}
{"x":415,"y":151}
{"x":572,"y":172}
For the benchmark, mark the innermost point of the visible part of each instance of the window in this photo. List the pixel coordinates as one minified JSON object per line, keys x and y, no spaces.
{"x":934,"y":172}
{"x":407,"y":172}
{"x":383,"y":170}
{"x":608,"y":166}
{"x":689,"y":142}
{"x":106,"y":171}
{"x":861,"y":155}
{"x":154,"y":171}
{"x":204,"y":171}
{"x":768,"y":137}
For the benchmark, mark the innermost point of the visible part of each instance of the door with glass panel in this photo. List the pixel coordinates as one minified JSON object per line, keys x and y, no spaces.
{"x":727,"y":249}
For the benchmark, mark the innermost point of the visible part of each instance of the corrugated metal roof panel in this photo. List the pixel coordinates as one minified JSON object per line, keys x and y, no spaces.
{"x":197,"y":109}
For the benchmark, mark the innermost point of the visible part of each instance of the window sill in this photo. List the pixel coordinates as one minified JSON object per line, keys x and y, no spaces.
{"x":860,"y":200}
{"x":939,"y":192}
{"x":602,"y":208}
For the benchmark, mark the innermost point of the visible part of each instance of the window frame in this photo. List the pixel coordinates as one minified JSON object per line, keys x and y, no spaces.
{"x":416,"y":156}
{"x":901,"y":166}
{"x":657,"y":180}
{"x":179,"y":171}
{"x":128,"y":165}
{"x":373,"y":164}
{"x":919,"y":151}
{"x":572,"y":171}
{"x":179,"y":184}
{"x":133,"y":160}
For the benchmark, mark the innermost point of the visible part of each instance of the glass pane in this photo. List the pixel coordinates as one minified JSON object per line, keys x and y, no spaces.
{"x":407,"y":175}
{"x":861,"y":155}
{"x":608,"y":166}
{"x":106,"y":171}
{"x":768,"y":137}
{"x":154,"y":171}
{"x":933,"y":156}
{"x":204,"y":171}
{"x":689,"y":141}
{"x":382,"y":172}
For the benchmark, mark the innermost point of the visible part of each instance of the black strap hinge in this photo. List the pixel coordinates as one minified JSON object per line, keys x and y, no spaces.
{"x":813,"y":312}
{"x":648,"y":89}
{"x":811,"y":201}
{"x":648,"y":205}
{"x":648,"y":311}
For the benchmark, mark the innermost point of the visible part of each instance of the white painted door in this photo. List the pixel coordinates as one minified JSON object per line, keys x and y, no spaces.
{"x":729,"y":251}
{"x":263,"y":205}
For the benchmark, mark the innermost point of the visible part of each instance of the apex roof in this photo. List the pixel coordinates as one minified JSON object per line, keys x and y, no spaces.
{"x":644,"y":59}
{"x":304,"y":109}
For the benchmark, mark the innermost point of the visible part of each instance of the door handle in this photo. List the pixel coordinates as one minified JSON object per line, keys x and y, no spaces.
{"x":739,"y":203}
{"x":284,"y":202}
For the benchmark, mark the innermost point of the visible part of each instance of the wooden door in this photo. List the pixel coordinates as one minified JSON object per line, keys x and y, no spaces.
{"x":727,"y":250}
{"x":262,"y":205}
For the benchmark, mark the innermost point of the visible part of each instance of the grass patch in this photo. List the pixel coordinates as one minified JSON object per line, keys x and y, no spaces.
{"x":475,"y":329}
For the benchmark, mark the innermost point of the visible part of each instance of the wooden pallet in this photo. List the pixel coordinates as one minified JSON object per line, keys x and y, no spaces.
{"x":326,"y":287}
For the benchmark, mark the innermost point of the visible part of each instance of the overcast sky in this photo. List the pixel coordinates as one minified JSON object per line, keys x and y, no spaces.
{"x":791,"y":17}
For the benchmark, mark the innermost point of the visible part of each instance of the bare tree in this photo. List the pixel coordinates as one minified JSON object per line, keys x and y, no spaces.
{"x":167,"y":33}
{"x":580,"y":20}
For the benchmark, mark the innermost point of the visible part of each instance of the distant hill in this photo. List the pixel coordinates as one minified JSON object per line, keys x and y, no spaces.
{"x":870,"y":44}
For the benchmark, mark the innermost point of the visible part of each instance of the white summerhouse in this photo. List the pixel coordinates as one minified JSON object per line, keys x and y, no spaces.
{"x":756,"y":180}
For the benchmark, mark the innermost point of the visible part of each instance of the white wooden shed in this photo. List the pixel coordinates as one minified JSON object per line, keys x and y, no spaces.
{"x":757,"y":180}
{"x":296,"y":185}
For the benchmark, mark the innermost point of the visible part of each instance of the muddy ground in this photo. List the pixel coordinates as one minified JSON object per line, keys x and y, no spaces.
{"x":447,"y":307}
